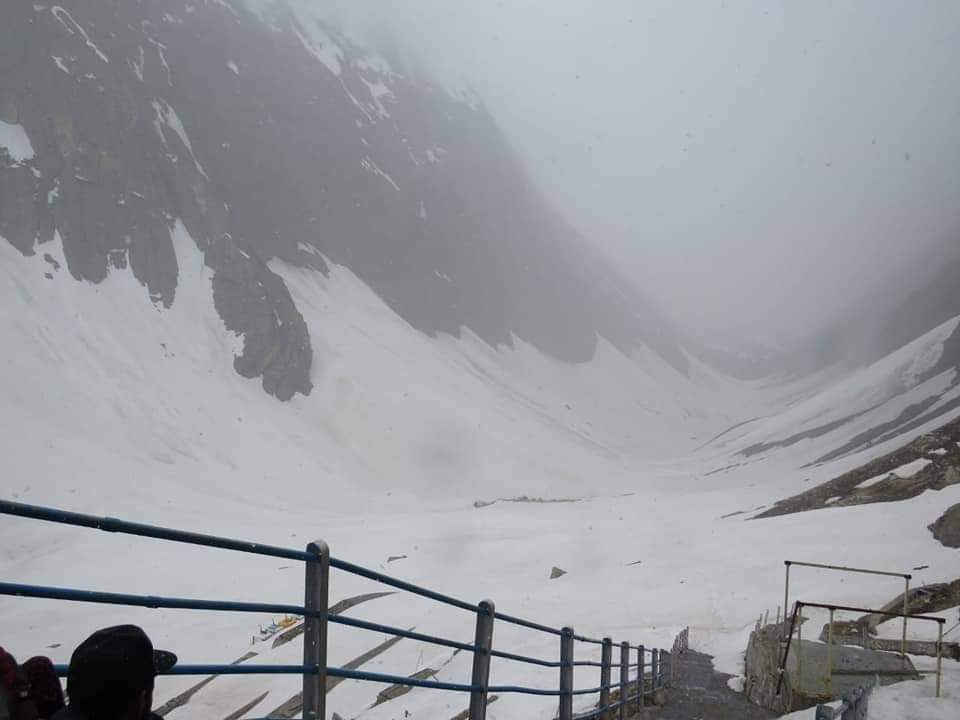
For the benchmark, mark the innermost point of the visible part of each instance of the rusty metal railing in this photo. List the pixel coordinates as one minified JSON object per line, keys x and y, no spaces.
{"x":798,"y":606}
{"x":842,"y":568}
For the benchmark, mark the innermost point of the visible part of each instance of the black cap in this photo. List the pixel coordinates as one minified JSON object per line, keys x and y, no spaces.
{"x":115,"y":661}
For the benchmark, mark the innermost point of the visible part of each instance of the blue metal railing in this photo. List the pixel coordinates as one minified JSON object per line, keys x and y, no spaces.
{"x":314,"y":669}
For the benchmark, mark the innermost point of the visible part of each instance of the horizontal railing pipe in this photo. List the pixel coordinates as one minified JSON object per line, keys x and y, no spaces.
{"x":108,"y":524}
{"x":824,"y":606}
{"x":399,"y":632}
{"x":154,"y":602}
{"x":147,"y":601}
{"x":525,"y":659}
{"x":527,"y":624}
{"x":844,"y":568}
{"x":401,"y":584}
{"x":347,"y":674}
{"x":314,"y":666}
{"x":593,"y":641}
{"x":215,"y":669}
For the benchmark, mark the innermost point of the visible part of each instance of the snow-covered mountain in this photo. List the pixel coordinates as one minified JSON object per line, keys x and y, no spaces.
{"x":203,"y":200}
{"x":271,"y":136}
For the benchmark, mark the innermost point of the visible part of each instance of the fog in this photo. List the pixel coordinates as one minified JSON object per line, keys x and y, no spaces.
{"x":755,"y":165}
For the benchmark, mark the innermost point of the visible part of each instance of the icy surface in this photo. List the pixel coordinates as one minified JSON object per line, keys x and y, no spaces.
{"x":168,"y":116}
{"x":370,"y":166}
{"x":912,"y":468}
{"x":14,"y":138}
{"x":73,"y":27}
{"x":323,"y":49}
{"x":913,"y":700}
{"x":904,"y":471}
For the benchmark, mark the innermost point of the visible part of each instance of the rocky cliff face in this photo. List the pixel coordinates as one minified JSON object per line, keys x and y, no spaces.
{"x":272,"y":136}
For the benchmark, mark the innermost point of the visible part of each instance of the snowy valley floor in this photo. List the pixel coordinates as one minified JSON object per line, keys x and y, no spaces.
{"x":117,"y":407}
{"x":715,"y":575}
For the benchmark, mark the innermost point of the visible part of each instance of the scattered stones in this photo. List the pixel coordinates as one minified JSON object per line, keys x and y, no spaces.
{"x":395,"y":691}
{"x":522,"y":499}
{"x":556,"y":572}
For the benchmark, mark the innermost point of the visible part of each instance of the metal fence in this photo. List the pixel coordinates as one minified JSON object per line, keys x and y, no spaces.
{"x":652,"y":665}
{"x":907,"y":577}
{"x":795,"y":626}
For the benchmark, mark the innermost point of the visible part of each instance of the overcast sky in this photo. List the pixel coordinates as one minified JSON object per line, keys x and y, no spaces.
{"x":754,"y":164}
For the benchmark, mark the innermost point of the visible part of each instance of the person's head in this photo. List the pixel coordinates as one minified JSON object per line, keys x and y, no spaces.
{"x":16,"y":702}
{"x":45,"y":689}
{"x":111,"y":674}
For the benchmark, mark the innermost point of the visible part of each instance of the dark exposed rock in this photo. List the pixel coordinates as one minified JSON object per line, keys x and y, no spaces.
{"x":946,"y":529}
{"x":924,"y":600}
{"x":142,"y":114}
{"x":294,"y":705}
{"x":556,"y":572}
{"x":395,"y":691}
{"x":184,"y":697}
{"x":254,"y":301}
{"x":943,"y":471}
{"x":18,"y":199}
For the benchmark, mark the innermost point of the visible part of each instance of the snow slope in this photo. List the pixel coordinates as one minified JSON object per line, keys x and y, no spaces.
{"x":852,"y":404}
{"x":116,"y":405}
{"x":13,"y":139}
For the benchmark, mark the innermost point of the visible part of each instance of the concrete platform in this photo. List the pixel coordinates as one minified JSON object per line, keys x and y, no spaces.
{"x":806,"y":682}
{"x":852,"y":667}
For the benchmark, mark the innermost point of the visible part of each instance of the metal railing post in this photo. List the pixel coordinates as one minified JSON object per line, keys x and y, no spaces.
{"x":641,"y":675}
{"x":316,"y":598}
{"x":782,"y":667}
{"x":939,"y":657}
{"x":481,"y":660}
{"x":906,"y":605}
{"x":830,"y":654}
{"x":566,"y":674}
{"x":786,"y":597}
{"x":606,"y":658}
{"x":799,"y":645}
{"x":624,"y":677}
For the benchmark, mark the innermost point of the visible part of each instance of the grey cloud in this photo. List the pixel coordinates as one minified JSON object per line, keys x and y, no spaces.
{"x":755,"y":165}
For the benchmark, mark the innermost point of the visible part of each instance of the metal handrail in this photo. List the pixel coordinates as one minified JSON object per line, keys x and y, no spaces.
{"x":798,"y":606}
{"x":907,"y":577}
{"x":316,"y":616}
